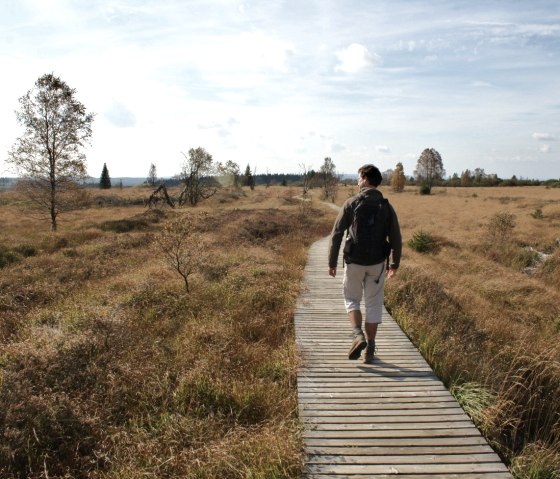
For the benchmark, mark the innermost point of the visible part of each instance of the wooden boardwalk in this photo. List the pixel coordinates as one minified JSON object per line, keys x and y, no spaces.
{"x":393,"y":417}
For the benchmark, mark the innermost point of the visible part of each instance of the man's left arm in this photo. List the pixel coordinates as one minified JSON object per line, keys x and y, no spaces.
{"x":395,"y":240}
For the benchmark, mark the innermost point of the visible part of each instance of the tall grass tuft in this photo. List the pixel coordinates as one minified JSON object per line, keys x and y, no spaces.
{"x":536,"y":461}
{"x":475,"y":399}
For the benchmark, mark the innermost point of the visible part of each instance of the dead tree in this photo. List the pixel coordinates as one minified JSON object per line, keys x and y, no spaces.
{"x":160,"y":195}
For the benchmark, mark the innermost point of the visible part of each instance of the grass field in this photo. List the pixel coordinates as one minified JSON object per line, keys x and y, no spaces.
{"x":109,"y":368}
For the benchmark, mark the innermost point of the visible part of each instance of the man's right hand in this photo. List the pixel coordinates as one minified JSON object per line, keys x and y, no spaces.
{"x":332,"y":272}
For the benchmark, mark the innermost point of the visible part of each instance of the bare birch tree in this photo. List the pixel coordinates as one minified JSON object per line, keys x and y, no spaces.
{"x":48,"y":157}
{"x":329,"y":179}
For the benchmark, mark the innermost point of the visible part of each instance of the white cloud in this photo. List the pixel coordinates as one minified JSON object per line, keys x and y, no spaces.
{"x":545,"y":148}
{"x":543,"y":137}
{"x":382,"y":148}
{"x":481,"y":84}
{"x":355,"y":58}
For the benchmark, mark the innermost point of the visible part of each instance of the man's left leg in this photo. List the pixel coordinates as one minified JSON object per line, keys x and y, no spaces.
{"x":373,"y":295}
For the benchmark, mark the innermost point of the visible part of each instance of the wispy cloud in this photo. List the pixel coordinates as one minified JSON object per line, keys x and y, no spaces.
{"x":543,"y":137}
{"x":481,"y":84}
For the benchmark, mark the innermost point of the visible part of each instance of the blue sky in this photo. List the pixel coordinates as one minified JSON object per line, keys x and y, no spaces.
{"x":280,"y":84}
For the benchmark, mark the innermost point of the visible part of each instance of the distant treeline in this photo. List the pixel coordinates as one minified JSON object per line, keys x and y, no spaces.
{"x":493,"y":180}
{"x":294,"y":179}
{"x":272,"y":179}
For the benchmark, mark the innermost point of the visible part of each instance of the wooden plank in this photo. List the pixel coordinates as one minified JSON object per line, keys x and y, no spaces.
{"x":494,"y":475}
{"x":477,"y":467}
{"x":397,"y":450}
{"x":350,"y":435}
{"x":360,"y":418}
{"x":410,"y":442}
{"x":382,"y":400}
{"x":418,"y":459}
{"x":392,"y":426}
{"x":374,"y":409}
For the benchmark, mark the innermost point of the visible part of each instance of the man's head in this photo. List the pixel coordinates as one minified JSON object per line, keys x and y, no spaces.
{"x":371,"y":174}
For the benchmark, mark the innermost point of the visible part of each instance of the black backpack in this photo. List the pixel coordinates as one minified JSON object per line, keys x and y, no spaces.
{"x":366,"y":239}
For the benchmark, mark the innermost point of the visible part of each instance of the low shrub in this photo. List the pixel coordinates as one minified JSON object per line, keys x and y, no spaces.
{"x":423,"y":242}
{"x":7,"y":256}
{"x":425,"y":190}
{"x":136,"y":223}
{"x":500,"y":227}
{"x":26,"y":250}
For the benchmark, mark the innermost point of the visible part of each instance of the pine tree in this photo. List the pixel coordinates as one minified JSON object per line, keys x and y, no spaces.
{"x":249,"y":178}
{"x":105,"y":181}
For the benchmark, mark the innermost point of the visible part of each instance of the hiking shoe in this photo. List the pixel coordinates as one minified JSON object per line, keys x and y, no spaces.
{"x":369,"y":354}
{"x":357,"y":347}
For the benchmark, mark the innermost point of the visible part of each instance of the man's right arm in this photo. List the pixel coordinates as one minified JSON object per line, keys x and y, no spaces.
{"x":340,"y":226}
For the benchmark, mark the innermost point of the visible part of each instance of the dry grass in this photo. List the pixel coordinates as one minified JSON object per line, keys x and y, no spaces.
{"x":484,"y":308}
{"x":108,"y":368}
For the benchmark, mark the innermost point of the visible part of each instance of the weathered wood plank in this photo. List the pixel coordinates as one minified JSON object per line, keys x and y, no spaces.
{"x":390,"y":433}
{"x":409,"y":442}
{"x":382,"y":451}
{"x":374,"y":409}
{"x":392,"y":426}
{"x":445,"y":475}
{"x":477,"y":467}
{"x":362,"y":417}
{"x":418,"y":459}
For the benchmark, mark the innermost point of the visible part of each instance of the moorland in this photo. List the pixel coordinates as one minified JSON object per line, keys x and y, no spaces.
{"x":111,"y":367}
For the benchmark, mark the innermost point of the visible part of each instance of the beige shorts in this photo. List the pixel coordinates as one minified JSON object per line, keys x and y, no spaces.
{"x":366,"y":281}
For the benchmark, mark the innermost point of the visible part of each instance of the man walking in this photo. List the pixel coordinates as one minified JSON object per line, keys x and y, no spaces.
{"x":373,"y":241}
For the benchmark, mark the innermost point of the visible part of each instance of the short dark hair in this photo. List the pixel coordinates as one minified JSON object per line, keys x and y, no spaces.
{"x":372,"y":174}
